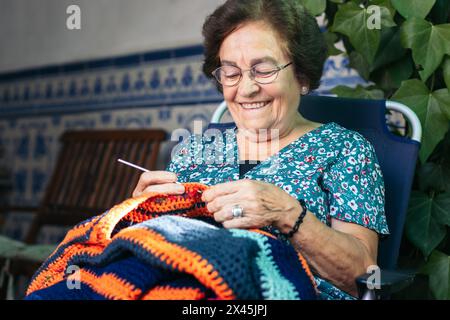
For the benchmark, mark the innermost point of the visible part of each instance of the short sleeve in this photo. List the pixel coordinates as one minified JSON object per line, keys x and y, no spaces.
{"x":183,"y":155}
{"x":354,"y":184}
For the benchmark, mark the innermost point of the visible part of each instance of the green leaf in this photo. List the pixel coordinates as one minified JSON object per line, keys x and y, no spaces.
{"x":392,"y":63}
{"x":387,"y":19}
{"x":446,"y":68}
{"x":359,"y":92}
{"x":441,"y":152}
{"x":384,"y":3}
{"x":391,"y":76}
{"x":352,"y":23}
{"x":315,"y":7}
{"x":443,"y":97}
{"x":390,"y":48}
{"x":428,"y":43}
{"x":434,"y":176}
{"x":331,"y":39}
{"x":413,"y":8}
{"x":438,"y":271}
{"x":357,"y":62}
{"x":351,"y":20}
{"x":442,"y":205}
{"x":422,"y":226}
{"x":428,"y":108}
{"x":440,"y":12}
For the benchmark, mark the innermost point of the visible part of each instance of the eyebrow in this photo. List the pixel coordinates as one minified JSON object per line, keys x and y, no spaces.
{"x":252,"y":62}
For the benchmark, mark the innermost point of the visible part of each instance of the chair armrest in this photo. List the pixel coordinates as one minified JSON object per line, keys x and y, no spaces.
{"x":383,"y":283}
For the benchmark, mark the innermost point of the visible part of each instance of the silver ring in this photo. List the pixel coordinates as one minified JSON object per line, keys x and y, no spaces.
{"x":237,"y":211}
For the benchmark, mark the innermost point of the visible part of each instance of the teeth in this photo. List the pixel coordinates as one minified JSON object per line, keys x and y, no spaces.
{"x":256,"y":105}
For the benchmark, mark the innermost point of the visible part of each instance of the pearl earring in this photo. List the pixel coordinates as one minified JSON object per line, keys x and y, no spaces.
{"x":304,"y":90}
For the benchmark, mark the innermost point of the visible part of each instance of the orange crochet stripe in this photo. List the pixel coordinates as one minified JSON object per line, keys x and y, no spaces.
{"x":137,"y":210}
{"x":101,"y":232}
{"x":168,"y":293}
{"x":181,"y":259}
{"x":108,"y":285}
{"x":101,"y":228}
{"x":162,"y":203}
{"x":307,"y":269}
{"x":78,"y":231}
{"x":56,"y":270}
{"x":265,"y":233}
{"x":52,"y":274}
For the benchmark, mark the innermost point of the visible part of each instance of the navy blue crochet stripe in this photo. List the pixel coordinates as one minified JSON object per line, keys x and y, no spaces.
{"x":61,"y":248}
{"x":242,"y":274}
{"x":290,"y":267}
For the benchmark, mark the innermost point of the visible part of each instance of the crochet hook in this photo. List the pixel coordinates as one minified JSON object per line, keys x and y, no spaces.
{"x":132,"y":165}
{"x":143,"y":169}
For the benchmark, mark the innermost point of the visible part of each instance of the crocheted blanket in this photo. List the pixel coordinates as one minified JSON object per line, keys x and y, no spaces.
{"x":161,"y":246}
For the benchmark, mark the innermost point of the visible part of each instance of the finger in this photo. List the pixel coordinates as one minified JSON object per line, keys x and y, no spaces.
{"x":238,"y":223}
{"x":226,"y":212}
{"x":153,"y":177}
{"x":167,"y":188}
{"x":223,"y":215}
{"x":223,"y":189}
{"x":221,"y":201}
{"x":159,"y":176}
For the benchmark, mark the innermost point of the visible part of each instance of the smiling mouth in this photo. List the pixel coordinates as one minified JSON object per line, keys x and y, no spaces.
{"x":254,"y":105}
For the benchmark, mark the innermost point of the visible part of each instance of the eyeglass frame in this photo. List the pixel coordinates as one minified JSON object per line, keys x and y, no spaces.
{"x":252,"y":75}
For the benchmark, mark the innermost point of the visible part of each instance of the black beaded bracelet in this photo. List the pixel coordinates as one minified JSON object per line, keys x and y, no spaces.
{"x":298,"y":222}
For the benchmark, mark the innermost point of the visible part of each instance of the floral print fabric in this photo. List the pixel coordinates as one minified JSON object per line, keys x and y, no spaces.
{"x":333,"y":169}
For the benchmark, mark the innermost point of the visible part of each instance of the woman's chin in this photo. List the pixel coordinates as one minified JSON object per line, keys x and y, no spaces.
{"x":254,"y":125}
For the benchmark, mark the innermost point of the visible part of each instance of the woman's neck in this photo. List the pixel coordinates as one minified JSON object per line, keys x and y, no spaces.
{"x":263,"y":143}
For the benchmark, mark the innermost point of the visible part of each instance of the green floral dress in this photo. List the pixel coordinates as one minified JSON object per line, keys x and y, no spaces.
{"x":335,"y":170}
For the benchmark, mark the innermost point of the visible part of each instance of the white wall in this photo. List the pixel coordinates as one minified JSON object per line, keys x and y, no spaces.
{"x":33,"y":32}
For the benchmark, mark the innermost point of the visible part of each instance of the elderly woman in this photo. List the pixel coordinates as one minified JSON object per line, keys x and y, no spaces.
{"x":326,"y":194}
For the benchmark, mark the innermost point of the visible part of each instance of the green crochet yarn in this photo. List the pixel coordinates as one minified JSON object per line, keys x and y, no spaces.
{"x":274,"y":285}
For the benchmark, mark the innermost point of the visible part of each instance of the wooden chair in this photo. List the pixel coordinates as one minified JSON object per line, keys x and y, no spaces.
{"x":87,"y":180}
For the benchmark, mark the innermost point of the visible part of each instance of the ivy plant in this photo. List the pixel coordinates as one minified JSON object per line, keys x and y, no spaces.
{"x":402,"y":49}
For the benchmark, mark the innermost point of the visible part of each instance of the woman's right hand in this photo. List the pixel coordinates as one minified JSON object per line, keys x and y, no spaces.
{"x":158,"y":181}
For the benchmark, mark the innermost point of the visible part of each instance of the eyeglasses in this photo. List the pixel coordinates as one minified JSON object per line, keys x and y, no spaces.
{"x":262,"y":73}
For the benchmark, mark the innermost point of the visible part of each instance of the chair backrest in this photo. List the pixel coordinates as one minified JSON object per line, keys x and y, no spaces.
{"x":87,"y":178}
{"x":396,"y":155}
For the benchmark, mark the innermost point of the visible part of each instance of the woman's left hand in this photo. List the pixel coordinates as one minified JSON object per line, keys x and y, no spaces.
{"x":263,"y":203}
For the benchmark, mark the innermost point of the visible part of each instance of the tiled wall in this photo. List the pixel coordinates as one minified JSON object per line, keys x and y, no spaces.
{"x":163,"y":89}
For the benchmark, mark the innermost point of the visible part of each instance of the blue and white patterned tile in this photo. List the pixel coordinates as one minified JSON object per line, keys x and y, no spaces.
{"x":169,"y":93}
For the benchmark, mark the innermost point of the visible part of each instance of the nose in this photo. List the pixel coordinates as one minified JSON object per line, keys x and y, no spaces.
{"x":247,"y":86}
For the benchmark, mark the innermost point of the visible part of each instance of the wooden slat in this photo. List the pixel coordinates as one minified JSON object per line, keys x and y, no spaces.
{"x":154,"y":154}
{"x":88,"y":174}
{"x":96,"y":171}
{"x":87,"y":178}
{"x":57,"y":179}
{"x":103,"y":173}
{"x":67,"y":173}
{"x":124,"y":171}
{"x":76,"y":176}
{"x":116,"y":180}
{"x":130,"y":173}
{"x":111,"y":166}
